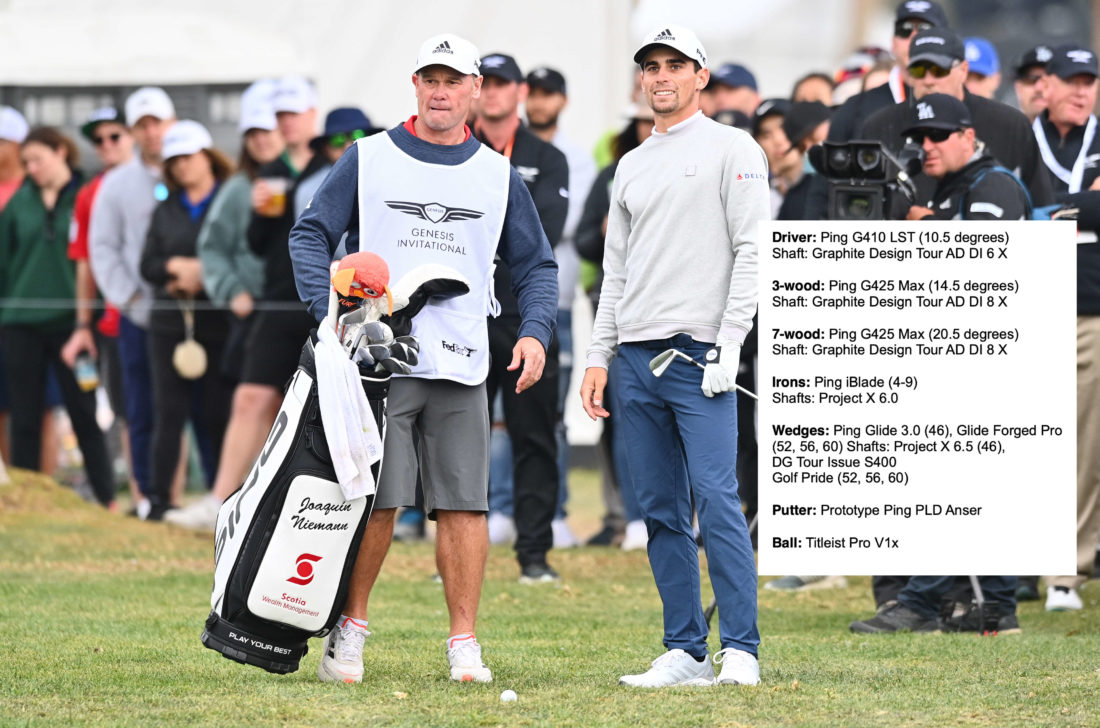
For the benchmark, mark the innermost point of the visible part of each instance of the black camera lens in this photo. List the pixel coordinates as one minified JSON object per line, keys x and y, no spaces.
{"x":868,"y":159}
{"x":858,"y":208}
{"x":840,"y":161}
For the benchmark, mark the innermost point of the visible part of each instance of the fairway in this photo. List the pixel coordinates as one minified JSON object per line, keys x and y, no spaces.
{"x":101,"y":615}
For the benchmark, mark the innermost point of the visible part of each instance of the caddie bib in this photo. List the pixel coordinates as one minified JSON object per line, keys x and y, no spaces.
{"x":413,"y":212}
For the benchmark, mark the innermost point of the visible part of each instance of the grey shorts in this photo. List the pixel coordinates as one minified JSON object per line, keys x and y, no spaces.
{"x":452,"y":421}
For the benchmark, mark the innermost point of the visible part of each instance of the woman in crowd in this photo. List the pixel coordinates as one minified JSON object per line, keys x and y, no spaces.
{"x":34,"y":265}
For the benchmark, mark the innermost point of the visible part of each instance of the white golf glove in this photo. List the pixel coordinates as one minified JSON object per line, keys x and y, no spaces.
{"x":720,"y":372}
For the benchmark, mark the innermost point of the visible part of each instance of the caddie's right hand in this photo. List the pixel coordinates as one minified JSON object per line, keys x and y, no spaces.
{"x":592,"y":391}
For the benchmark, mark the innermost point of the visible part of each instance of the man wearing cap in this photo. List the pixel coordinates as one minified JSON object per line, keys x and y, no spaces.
{"x":937,"y":64}
{"x":805,"y":125}
{"x":120,"y":219}
{"x":734,"y":89}
{"x":970,"y":183}
{"x":1070,"y":145}
{"x":910,"y":17}
{"x":1029,"y":71}
{"x":784,"y":162}
{"x":531,"y":419}
{"x":984,"y":77}
{"x":687,"y":203}
{"x":546,"y":99}
{"x":428,"y":192}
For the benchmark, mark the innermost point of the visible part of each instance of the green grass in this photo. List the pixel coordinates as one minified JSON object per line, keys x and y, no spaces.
{"x":100,"y":617}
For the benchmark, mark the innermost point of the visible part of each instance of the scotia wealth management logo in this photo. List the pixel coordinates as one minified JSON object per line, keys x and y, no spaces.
{"x":304,"y":568}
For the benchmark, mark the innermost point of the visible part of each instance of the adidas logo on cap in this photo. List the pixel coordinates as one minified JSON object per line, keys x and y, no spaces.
{"x":444,"y":47}
{"x":665,"y":34}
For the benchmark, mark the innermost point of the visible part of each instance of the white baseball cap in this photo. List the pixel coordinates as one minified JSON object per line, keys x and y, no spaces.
{"x":294,"y":94}
{"x":676,"y":37}
{"x":449,"y":50}
{"x":257,"y":107}
{"x":184,"y":138}
{"x":13,"y":127}
{"x":149,"y":101}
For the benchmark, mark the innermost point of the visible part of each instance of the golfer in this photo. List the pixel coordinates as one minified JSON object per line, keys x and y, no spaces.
{"x":680,"y":272}
{"x":428,"y":192}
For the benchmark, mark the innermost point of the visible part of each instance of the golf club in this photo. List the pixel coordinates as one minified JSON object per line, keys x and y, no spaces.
{"x":662,"y":361}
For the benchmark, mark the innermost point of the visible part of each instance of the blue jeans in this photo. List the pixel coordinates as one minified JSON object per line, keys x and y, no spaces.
{"x":923,"y":594}
{"x":138,"y":389}
{"x":680,"y":444}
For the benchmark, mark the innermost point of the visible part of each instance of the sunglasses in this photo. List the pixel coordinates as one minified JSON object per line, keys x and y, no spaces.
{"x":921,"y":70}
{"x":336,"y":141}
{"x":936,"y":136}
{"x":1030,"y":80}
{"x":906,"y":28}
{"x":99,"y":141}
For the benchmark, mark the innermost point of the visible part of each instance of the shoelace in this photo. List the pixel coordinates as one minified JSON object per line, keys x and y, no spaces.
{"x":351,"y":644}
{"x":669,"y":656}
{"x":468,"y":653}
{"x":721,"y":655}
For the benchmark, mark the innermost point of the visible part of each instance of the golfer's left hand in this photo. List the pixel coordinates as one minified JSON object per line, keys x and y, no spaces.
{"x":720,"y":372}
{"x":529,"y":351}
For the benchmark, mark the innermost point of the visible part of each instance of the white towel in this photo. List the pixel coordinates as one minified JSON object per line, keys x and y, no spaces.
{"x":353,"y":438}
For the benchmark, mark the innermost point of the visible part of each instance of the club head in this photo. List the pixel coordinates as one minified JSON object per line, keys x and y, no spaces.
{"x":662,"y":361}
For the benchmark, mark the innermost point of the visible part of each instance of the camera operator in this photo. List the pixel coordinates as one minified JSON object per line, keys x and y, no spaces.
{"x":970,"y":185}
{"x":937,"y":63}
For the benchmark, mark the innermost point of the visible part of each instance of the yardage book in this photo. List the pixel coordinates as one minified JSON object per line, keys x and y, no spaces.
{"x":917,"y":385}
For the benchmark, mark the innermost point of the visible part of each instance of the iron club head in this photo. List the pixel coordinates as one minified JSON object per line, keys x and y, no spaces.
{"x":662,"y":361}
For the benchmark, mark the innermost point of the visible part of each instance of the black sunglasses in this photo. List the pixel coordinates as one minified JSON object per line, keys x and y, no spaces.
{"x":920,"y":70}
{"x":906,"y":28}
{"x":336,"y":141}
{"x":99,"y":141}
{"x":1030,"y":79}
{"x":936,"y":136}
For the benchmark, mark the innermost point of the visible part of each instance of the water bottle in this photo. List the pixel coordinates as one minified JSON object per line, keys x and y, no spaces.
{"x":87,"y":376}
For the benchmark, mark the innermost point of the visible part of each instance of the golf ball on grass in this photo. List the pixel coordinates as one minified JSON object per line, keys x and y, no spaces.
{"x":508,"y":696}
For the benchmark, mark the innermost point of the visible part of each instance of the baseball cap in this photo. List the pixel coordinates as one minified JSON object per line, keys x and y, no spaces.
{"x":97,"y":117}
{"x":341,"y":121}
{"x":982,"y":56}
{"x":802,"y":118}
{"x":185,"y":137}
{"x":676,"y":37}
{"x":294,"y":94}
{"x":734,"y":118}
{"x":940,"y":46}
{"x":547,"y":79}
{"x":13,"y":127}
{"x":769,"y":108}
{"x":149,"y":101}
{"x":939,"y":111}
{"x":1040,"y":55}
{"x":1071,"y":60}
{"x":451,"y":51}
{"x":501,"y":65}
{"x":734,"y":75}
{"x":257,"y":108}
{"x":925,"y":10}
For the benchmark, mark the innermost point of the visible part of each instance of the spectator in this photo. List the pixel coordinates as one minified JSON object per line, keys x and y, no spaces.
{"x":805,"y":125}
{"x":1029,"y":72}
{"x":984,"y":77}
{"x":114,"y":146}
{"x":850,"y":79}
{"x":531,"y":420}
{"x":34,"y":234}
{"x":815,"y":86}
{"x":193,"y":170}
{"x":784,"y":161}
{"x":1067,"y":136}
{"x":233,"y":276}
{"x":877,"y":75}
{"x":116,"y":238}
{"x":734,"y":89}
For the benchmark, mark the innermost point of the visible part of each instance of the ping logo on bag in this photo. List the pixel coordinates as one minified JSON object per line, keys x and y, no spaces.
{"x":304,"y":569}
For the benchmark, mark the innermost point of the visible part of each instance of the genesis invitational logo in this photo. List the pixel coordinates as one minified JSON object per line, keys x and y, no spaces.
{"x":433,"y":211}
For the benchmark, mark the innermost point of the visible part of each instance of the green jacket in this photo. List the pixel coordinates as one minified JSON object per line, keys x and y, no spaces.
{"x":228,"y":265}
{"x":34,"y":260}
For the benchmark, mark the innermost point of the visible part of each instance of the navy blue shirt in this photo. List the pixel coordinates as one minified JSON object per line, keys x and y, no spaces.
{"x":334,"y":210}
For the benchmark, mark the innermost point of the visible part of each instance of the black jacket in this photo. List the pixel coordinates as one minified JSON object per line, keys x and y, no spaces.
{"x":853,"y":113}
{"x":1066,"y":151}
{"x":589,"y":239}
{"x":268,"y":236}
{"x":546,"y":174}
{"x":1005,"y":131}
{"x":977,"y":192}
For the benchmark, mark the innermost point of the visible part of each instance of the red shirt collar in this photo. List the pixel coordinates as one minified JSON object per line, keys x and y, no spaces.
{"x":412,"y":130}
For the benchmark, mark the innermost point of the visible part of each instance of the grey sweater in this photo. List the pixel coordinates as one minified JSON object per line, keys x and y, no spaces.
{"x":680,"y":253}
{"x":116,"y":238}
{"x":228,"y":265}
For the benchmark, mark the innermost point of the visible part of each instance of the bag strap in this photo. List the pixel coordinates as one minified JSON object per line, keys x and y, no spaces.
{"x":187,"y":308}
{"x":1002,"y":170}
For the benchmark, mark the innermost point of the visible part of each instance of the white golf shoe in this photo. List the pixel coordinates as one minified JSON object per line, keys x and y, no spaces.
{"x":636,"y":537}
{"x":202,"y":515}
{"x":502,"y":529}
{"x":675,"y":667}
{"x":342,"y":659}
{"x":738,"y":667}
{"x":1063,"y":599}
{"x":466,"y":664}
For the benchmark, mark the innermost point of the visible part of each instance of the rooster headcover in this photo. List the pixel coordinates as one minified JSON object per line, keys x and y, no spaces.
{"x":363,"y":275}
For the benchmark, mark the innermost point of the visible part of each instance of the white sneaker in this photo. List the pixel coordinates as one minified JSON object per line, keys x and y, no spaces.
{"x":1062,"y":599}
{"x":675,"y":667}
{"x":202,"y":515}
{"x":342,"y":659}
{"x":142,"y":508}
{"x":738,"y":667}
{"x":564,"y":537}
{"x":502,"y":529}
{"x":636,"y":537}
{"x":466,"y":664}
